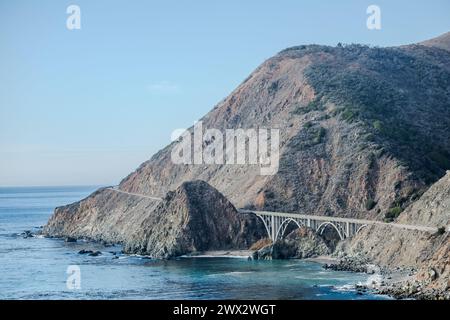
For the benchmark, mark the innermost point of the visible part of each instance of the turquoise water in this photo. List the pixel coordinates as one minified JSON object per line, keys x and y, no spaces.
{"x":36,"y":268}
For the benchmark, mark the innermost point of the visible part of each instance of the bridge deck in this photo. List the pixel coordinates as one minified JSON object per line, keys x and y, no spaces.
{"x":337,"y":219}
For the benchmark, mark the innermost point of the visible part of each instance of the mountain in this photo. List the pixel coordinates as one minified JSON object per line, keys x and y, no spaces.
{"x":442,"y":42}
{"x":357,"y":125}
{"x":363,"y":133}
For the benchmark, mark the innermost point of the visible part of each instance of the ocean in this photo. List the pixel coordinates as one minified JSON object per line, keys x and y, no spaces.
{"x":41,"y":268}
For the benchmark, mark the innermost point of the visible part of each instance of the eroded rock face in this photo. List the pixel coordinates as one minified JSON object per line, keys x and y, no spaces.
{"x":432,"y":280}
{"x":299,"y":244}
{"x":195,"y":217}
{"x":433,"y":207}
{"x":429,"y":253}
{"x":105,"y":215}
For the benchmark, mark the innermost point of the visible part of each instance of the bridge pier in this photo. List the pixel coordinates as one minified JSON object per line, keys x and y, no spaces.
{"x":273,"y":228}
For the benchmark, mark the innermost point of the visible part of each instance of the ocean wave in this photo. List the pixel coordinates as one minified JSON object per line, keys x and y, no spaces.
{"x":344,"y":287}
{"x":238,"y":273}
{"x":372,"y":280}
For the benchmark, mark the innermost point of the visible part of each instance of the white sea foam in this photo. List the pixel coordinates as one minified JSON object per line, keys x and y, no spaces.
{"x":238,"y":273}
{"x":374,"y":279}
{"x":345,"y":287}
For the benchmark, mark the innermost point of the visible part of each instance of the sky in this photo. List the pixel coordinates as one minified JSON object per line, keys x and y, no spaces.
{"x":88,"y":106}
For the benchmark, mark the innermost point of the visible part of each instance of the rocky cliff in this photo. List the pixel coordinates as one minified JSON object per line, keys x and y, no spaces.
{"x":195,"y":217}
{"x":433,"y":207}
{"x":429,"y":253}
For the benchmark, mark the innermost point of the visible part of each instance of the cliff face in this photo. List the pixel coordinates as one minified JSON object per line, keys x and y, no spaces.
{"x":363,"y":133}
{"x":433,"y":207}
{"x":105,"y":215}
{"x":396,"y":247}
{"x":429,"y":253}
{"x":193,"y":218}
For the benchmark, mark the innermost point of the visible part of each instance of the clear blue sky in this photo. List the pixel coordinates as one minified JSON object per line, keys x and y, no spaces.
{"x":88,"y":106}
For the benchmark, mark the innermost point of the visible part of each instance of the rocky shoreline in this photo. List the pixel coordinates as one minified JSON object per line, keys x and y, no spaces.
{"x":196,"y":220}
{"x":399,"y":283}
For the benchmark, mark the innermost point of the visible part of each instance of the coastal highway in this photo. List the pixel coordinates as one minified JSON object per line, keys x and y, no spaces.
{"x":305,"y":216}
{"x":116,"y":189}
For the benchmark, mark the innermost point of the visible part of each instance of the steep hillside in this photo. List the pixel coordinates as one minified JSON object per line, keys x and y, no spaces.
{"x":441,"y":42}
{"x":429,"y":253}
{"x":360,"y":128}
{"x":433,"y":208}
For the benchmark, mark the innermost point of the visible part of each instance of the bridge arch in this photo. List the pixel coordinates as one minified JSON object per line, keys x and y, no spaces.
{"x":268,"y":229}
{"x":360,"y":228}
{"x":283,"y":226}
{"x":276,"y":223}
{"x":322,"y":226}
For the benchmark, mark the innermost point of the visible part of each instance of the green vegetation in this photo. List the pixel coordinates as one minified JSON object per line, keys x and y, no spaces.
{"x":441,"y":157}
{"x":319,"y":135}
{"x":349,"y":114}
{"x":370,"y":204}
{"x":308,"y":125}
{"x":372,"y":158}
{"x":314,"y":105}
{"x":401,"y":97}
{"x":273,"y":87}
{"x":378,"y":125}
{"x":269,"y":194}
{"x":441,"y":230}
{"x":393,"y":213}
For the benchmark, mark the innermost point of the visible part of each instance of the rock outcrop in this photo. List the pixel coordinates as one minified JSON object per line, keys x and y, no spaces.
{"x":194,"y":218}
{"x":429,"y":253}
{"x":432,"y":280}
{"x":299,"y":244}
{"x":433,"y":207}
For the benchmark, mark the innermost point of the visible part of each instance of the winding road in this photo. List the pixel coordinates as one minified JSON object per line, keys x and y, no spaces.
{"x":298,"y":217}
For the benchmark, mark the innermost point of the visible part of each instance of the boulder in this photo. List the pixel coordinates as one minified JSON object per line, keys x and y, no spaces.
{"x":27,"y":234}
{"x":264,"y":253}
{"x":84,"y":251}
{"x":355,"y":263}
